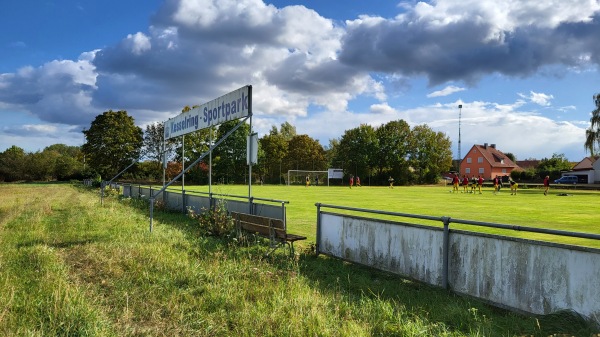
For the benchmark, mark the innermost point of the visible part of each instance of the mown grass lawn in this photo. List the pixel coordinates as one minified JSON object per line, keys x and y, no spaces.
{"x":71,"y":267}
{"x":579,"y":211}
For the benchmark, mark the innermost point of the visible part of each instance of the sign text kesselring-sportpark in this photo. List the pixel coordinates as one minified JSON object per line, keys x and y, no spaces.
{"x":234,"y":105}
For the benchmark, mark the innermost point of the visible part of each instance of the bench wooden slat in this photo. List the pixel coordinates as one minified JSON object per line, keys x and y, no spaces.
{"x":273,"y":229}
{"x":250,"y":227}
{"x":259,"y":220}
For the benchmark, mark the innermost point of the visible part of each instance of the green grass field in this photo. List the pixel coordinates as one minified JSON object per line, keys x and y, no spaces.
{"x":577,"y":212}
{"x":71,"y":267}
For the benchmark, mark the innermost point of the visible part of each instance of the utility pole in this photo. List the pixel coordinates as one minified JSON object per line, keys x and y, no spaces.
{"x":459,"y":154}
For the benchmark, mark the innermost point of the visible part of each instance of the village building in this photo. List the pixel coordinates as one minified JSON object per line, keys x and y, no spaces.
{"x":486,"y":161}
{"x":587,"y":170}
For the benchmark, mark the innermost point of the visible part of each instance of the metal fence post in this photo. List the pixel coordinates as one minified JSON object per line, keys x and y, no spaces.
{"x":283,"y":215}
{"x":183,"y":205}
{"x":151,"y":208}
{"x":445,"y":252}
{"x":102,"y":192}
{"x":317,"y":251}
{"x":151,"y":212}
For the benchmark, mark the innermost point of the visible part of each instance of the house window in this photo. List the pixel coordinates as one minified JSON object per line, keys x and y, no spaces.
{"x":503,"y":170}
{"x":501,"y":161}
{"x":467,"y":170}
{"x":469,"y":160}
{"x":481,"y":170}
{"x":480,"y":160}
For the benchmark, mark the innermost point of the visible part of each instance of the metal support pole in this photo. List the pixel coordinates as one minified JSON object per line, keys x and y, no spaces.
{"x":459,"y":145}
{"x":183,"y":205}
{"x":102,"y":192}
{"x":164,"y":153}
{"x":318,"y":228}
{"x":183,"y":163}
{"x":250,"y":163}
{"x":151,"y":208}
{"x":210,"y":147}
{"x":283,"y":215}
{"x":151,"y":213}
{"x":445,"y":252}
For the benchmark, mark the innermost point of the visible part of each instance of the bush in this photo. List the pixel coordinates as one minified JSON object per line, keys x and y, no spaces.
{"x":215,"y":221}
{"x":111,"y":192}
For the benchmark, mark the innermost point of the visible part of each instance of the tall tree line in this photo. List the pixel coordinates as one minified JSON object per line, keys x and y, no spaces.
{"x":55,"y":162}
{"x":416,"y":155}
{"x":410,"y":156}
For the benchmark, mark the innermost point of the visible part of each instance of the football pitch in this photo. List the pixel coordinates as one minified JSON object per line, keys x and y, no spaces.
{"x":570,"y":210}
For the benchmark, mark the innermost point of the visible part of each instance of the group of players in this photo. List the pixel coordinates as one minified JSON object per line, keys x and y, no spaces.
{"x":477,"y":183}
{"x":474,"y":184}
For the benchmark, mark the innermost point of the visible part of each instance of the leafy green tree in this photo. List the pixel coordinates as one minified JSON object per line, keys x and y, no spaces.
{"x":391,"y":158}
{"x":305,"y":153}
{"x":553,"y":166}
{"x":68,"y":163}
{"x":357,"y":150}
{"x":41,"y":165}
{"x":230,"y":156}
{"x":12,"y":164}
{"x":430,"y":154}
{"x":287,"y":130}
{"x":592,"y":135}
{"x":331,"y":152}
{"x":273,"y":149}
{"x":113,"y":141}
{"x":153,"y":144}
{"x":511,"y":156}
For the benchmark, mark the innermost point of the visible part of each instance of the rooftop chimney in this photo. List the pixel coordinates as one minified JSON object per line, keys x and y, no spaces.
{"x":485,"y":145}
{"x":493,"y":146}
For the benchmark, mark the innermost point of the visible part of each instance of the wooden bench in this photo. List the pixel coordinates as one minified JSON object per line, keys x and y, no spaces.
{"x":270,"y":228}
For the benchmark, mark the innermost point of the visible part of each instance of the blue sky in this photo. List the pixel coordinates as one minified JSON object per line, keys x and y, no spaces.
{"x":525,"y":72}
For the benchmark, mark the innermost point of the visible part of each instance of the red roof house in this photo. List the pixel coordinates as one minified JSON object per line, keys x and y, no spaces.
{"x":487,"y":161}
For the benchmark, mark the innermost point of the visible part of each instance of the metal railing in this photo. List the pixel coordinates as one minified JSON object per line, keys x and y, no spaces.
{"x":446,"y":221}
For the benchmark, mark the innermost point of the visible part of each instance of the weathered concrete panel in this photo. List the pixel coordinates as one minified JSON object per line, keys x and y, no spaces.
{"x":174,"y":201}
{"x":269,"y":211}
{"x":530,"y":276}
{"x":526,"y":275}
{"x":197,"y":203}
{"x":411,"y":251}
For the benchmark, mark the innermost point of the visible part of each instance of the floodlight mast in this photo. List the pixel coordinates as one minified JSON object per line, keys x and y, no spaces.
{"x":459,"y":154}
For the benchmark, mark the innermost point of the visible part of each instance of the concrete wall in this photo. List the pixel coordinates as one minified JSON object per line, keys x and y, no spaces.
{"x":198,"y":203}
{"x":530,"y":276}
{"x":412,"y":251}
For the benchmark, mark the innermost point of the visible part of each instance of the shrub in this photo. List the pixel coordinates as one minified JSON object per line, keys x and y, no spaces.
{"x":215,"y":221}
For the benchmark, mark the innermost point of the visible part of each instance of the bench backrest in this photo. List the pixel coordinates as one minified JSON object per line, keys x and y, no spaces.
{"x":260,"y":224}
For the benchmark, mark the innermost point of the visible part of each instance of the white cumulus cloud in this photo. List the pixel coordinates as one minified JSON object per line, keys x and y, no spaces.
{"x":449,"y":90}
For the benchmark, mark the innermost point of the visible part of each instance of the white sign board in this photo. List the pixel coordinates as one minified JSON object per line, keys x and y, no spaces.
{"x":335,"y":174}
{"x":252,"y":149}
{"x":234,"y":105}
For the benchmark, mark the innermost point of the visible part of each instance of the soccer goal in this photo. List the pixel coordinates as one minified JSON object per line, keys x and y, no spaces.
{"x":299,"y":177}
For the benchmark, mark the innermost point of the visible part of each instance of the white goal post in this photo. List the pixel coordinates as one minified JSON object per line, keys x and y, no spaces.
{"x":298,"y":177}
